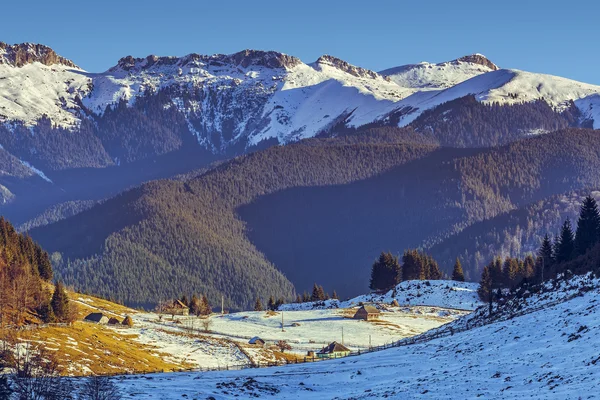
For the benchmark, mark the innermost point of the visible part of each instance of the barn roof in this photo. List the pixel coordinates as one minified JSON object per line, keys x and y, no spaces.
{"x":334,"y":347}
{"x":179,"y":304}
{"x":370,"y":309}
{"x":95,"y":317}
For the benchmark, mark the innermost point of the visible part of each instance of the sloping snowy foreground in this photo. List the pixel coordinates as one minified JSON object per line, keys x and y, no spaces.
{"x":552,"y":352}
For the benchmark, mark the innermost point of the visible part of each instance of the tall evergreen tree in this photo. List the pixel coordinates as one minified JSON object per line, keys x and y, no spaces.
{"x":258,"y":305}
{"x":60,"y":303}
{"x":565,"y":249}
{"x":588,"y":226}
{"x":457,"y":272}
{"x":385,"y":272}
{"x":485,"y":285}
{"x":334,"y":295}
{"x":271,"y":303}
{"x":205,"y":308}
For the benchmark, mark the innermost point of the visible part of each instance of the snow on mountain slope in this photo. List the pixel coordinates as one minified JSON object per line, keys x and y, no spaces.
{"x":29,"y":92}
{"x":548,"y":353}
{"x":507,"y":86}
{"x":427,"y":76}
{"x":439,"y":293}
{"x":251,"y":96}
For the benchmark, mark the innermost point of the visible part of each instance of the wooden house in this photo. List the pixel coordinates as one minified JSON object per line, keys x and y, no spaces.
{"x":333,"y":350}
{"x":367,"y":313}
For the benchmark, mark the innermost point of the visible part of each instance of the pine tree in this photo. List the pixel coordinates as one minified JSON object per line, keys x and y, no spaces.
{"x":271,"y":304}
{"x":305,"y":297}
{"x":385,"y":272}
{"x":485,"y":285}
{"x":334,"y":295}
{"x":205,"y":308}
{"x":258,"y":305}
{"x":433,"y":269}
{"x":60,"y":303}
{"x":457,"y":272}
{"x":45,"y":311}
{"x":588,"y":226}
{"x":566,"y":243}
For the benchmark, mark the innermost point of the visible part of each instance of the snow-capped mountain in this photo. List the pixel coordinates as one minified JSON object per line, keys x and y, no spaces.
{"x":252,"y":96}
{"x":427,"y":76}
{"x":55,"y":116}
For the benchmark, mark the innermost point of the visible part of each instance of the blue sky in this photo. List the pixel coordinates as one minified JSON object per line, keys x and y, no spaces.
{"x":559,"y":38}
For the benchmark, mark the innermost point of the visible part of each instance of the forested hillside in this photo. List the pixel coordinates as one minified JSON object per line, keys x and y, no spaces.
{"x":321,"y":210}
{"x":514,"y":234}
{"x":171,"y":237}
{"x":24,"y":267}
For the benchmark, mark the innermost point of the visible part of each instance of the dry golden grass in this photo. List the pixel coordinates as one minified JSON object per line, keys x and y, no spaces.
{"x":86,"y":348}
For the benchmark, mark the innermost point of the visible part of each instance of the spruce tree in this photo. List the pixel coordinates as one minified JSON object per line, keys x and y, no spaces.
{"x":485,"y":285}
{"x":271,"y":303}
{"x":334,"y":295}
{"x":566,"y":243}
{"x":205,"y":308}
{"x":411,"y":266}
{"x":457,"y":272}
{"x":60,"y":303}
{"x":385,"y":272}
{"x":258,"y":305}
{"x":588,"y":226}
{"x":433,"y":269}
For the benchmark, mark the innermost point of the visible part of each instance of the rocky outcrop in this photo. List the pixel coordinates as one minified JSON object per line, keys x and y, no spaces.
{"x":22,"y":54}
{"x":478,"y":59}
{"x":348,"y":68}
{"x":244,"y":59}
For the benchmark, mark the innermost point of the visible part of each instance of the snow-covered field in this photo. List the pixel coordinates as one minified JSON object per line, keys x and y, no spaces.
{"x":548,"y":351}
{"x":422,"y":306}
{"x":442,"y":293}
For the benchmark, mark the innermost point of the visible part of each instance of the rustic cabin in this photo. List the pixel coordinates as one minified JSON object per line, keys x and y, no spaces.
{"x":97,"y":318}
{"x":367,"y":313}
{"x":256,"y":341}
{"x":333,"y":350}
{"x":178,"y":308}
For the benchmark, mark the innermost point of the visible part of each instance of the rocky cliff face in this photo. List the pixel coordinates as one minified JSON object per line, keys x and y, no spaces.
{"x":22,"y":54}
{"x":479,"y":59}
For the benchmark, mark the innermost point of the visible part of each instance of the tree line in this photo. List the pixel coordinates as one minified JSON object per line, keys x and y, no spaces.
{"x":566,"y":246}
{"x":25,"y":277}
{"x":386,"y":271}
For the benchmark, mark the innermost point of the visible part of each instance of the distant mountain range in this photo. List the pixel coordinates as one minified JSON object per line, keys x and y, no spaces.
{"x":71,"y":139}
{"x":63,"y":128}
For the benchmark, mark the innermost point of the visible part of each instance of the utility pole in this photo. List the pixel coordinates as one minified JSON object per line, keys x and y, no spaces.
{"x":342,"y":335}
{"x":370,"y":342}
{"x":222,"y":305}
{"x":282,"y":322}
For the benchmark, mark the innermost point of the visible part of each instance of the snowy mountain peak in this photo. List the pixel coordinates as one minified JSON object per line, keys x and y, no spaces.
{"x":18,"y":55}
{"x":427,"y":76}
{"x":477,"y":59}
{"x":243,"y":59}
{"x":359,"y":72}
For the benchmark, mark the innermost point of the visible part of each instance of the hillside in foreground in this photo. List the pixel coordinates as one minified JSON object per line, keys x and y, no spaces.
{"x":547,"y":349}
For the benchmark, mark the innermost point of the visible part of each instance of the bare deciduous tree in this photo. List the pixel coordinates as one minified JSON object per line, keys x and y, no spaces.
{"x":99,"y":388}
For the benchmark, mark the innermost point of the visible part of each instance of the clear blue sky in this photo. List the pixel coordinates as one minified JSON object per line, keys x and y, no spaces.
{"x":558,"y":38}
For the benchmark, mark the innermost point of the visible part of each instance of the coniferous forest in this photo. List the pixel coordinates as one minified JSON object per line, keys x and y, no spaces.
{"x":259,"y":212}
